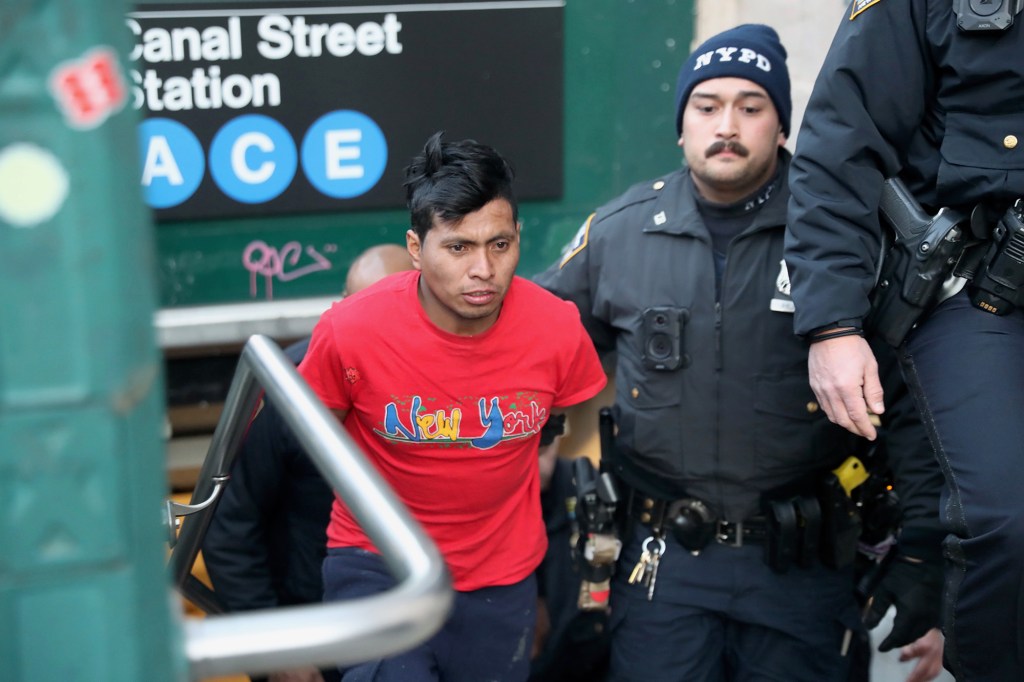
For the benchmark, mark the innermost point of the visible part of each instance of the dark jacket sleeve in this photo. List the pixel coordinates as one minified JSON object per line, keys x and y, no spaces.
{"x":244,"y":534}
{"x":867,"y":104}
{"x":237,"y":546}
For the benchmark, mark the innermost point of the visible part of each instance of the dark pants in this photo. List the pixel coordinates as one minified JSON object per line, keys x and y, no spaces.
{"x":966,"y":369}
{"x":724,"y":615}
{"x":487,"y":637}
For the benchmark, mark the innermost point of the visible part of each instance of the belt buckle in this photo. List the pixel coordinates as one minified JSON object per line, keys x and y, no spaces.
{"x":722,"y":533}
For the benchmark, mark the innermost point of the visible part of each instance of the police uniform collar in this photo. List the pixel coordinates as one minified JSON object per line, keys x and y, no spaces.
{"x":766,"y":214}
{"x":748,"y":204}
{"x":674,"y":210}
{"x":773,"y":212}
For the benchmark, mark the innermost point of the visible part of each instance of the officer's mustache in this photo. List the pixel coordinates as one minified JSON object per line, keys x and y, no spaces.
{"x":726,"y":145}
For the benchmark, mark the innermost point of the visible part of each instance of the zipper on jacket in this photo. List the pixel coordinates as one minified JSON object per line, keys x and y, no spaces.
{"x":718,"y":335}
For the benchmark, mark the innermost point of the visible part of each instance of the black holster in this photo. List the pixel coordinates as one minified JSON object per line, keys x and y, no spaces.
{"x":597,"y":545}
{"x":925,"y":251}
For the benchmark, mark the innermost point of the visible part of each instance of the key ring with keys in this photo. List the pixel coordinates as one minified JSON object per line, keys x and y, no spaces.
{"x":647,"y":548}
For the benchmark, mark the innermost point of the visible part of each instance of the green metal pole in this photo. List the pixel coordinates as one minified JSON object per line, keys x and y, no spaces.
{"x":84,"y":592}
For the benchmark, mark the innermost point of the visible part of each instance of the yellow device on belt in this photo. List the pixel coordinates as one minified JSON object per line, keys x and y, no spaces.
{"x":851,"y":473}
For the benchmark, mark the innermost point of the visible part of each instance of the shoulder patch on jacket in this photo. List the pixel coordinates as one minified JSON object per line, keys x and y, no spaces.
{"x":637,"y":194}
{"x":858,"y":6}
{"x":578,"y":243}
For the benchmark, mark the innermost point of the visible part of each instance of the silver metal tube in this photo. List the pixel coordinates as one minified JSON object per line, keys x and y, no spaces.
{"x":324,"y":634}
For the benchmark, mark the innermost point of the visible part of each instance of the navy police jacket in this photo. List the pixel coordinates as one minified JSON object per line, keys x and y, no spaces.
{"x":738,"y":419}
{"x":902,"y":92}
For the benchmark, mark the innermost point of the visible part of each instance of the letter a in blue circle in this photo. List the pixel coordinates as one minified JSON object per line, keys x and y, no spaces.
{"x":344,"y":154}
{"x":253,"y":158}
{"x":172,"y":162}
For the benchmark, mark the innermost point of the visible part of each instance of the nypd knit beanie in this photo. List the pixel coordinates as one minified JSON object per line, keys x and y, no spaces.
{"x":750,"y":51}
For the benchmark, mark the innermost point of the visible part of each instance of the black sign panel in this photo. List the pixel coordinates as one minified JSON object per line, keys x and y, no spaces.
{"x":259,"y":108}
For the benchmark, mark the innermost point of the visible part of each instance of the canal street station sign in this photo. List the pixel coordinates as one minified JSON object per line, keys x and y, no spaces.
{"x":258,"y":109}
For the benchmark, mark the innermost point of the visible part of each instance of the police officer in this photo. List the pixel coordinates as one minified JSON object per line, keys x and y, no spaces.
{"x":929,"y":91}
{"x":721,"y":447}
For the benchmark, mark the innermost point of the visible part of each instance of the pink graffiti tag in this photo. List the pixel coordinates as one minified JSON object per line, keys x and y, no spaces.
{"x":261,"y":259}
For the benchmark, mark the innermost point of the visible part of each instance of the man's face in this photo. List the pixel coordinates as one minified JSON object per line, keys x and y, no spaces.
{"x":467,"y":267}
{"x":731,"y":135}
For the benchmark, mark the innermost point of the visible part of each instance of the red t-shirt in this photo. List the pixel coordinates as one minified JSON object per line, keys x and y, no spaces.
{"x":453,"y":422}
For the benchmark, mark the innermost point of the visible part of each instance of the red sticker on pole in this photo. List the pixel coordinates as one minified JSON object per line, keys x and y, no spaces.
{"x":90,"y":89}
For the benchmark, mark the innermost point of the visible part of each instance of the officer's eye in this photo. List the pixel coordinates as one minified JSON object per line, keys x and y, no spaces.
{"x":457,"y":248}
{"x":502,"y":245}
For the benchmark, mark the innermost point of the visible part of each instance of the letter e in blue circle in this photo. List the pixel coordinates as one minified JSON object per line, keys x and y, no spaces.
{"x":253,"y":158}
{"x":344,"y":154}
{"x":172,"y":162}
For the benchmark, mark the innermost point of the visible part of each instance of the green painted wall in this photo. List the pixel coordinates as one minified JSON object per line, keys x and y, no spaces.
{"x":84,"y":594}
{"x":621,"y":62}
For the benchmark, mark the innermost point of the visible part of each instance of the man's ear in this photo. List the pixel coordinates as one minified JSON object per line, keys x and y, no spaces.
{"x":412,"y":243}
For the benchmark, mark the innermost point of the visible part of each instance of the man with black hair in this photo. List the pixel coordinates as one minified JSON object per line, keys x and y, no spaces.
{"x":436,"y":374}
{"x":737,"y":553}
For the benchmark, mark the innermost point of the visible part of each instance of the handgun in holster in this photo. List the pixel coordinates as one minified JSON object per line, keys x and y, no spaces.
{"x":597,"y":545}
{"x":923,"y":254}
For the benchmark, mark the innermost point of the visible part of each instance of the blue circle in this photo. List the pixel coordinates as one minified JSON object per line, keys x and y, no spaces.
{"x":172,"y":162}
{"x":253,"y":158}
{"x":344,"y":154}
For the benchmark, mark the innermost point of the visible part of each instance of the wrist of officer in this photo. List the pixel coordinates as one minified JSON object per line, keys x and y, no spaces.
{"x":836,"y":330}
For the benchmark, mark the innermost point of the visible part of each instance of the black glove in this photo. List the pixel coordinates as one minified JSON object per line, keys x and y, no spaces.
{"x":915,"y":588}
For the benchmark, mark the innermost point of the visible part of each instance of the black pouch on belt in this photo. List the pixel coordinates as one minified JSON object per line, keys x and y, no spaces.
{"x":781,"y":543}
{"x":841,"y":525}
{"x":794,"y":532}
{"x":809,"y":522}
{"x":692,"y":524}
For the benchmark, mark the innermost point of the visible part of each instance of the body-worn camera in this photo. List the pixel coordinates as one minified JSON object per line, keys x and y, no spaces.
{"x":986,"y":15}
{"x":663,"y":338}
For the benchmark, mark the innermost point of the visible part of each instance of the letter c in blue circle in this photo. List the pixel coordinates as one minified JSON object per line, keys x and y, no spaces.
{"x":344,"y":154}
{"x":253,"y":158}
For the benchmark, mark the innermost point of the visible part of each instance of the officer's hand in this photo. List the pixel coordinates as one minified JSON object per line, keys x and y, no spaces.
{"x":915,"y":589}
{"x":928,"y":652}
{"x":844,"y":377}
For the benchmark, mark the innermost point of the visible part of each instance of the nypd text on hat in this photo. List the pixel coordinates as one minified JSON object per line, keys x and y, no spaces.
{"x":728,"y":54}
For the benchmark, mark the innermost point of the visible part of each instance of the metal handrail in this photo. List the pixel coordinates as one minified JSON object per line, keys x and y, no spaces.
{"x":339,"y":633}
